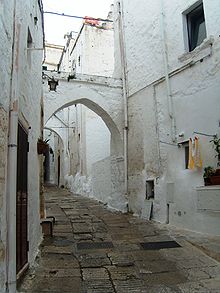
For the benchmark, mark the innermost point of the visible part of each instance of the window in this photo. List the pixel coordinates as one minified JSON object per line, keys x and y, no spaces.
{"x":29,"y":46}
{"x":149,"y":189}
{"x":186,"y":147}
{"x":196,"y":26}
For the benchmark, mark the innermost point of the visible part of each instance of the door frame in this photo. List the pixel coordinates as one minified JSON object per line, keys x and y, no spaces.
{"x":22,"y":207}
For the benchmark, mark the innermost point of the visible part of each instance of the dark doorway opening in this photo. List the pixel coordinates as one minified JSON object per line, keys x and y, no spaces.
{"x":22,"y":200}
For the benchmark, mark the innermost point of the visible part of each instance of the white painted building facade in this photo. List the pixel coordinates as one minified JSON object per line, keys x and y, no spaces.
{"x":53,"y":55}
{"x":164,"y":81}
{"x":21,"y":50}
{"x":91,"y":141}
{"x":173,"y":95}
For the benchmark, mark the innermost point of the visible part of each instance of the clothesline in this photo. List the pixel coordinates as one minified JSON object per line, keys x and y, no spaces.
{"x":204,"y":134}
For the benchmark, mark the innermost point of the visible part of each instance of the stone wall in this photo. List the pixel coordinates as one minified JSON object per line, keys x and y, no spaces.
{"x":21,"y":89}
{"x":194,"y":83}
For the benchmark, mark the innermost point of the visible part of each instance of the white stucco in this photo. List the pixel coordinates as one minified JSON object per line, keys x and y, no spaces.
{"x":194,"y":83}
{"x":97,"y":140}
{"x":91,"y":52}
{"x":20,"y":90}
{"x":53,"y":54}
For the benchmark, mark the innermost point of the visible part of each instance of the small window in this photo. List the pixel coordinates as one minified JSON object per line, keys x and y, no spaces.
{"x":29,"y":39}
{"x":29,"y":46}
{"x":186,"y":147}
{"x":149,"y":189}
{"x":196,"y":27}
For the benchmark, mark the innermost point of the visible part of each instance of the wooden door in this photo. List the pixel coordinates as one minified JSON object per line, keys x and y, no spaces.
{"x":22,"y":200}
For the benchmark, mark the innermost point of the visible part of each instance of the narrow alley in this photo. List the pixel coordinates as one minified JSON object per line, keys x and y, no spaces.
{"x":96,"y":250}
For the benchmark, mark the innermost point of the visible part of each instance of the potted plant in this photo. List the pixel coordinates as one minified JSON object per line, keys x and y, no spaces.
{"x":212,"y":176}
{"x":216,"y":145}
{"x":42,"y":146}
{"x":208,"y":172}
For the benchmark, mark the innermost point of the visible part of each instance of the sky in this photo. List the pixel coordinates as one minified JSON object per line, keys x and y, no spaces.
{"x":57,"y":26}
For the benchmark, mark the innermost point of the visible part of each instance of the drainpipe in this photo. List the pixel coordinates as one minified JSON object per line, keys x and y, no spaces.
{"x":125,"y":95}
{"x":12,"y":166}
{"x":167,"y":79}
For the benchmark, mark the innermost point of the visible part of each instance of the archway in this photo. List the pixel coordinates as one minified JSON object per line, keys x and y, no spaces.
{"x":112,"y":167}
{"x":54,"y":158}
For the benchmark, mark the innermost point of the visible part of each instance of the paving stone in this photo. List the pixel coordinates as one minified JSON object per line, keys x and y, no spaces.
{"x":165,"y":278}
{"x":192,"y":263}
{"x":54,"y":285}
{"x":195,"y":274}
{"x":58,"y":241}
{"x":94,"y":260}
{"x":147,"y":255}
{"x":161,"y":289}
{"x":98,"y":286}
{"x":158,"y":266}
{"x":203,"y":286}
{"x":57,"y":249}
{"x":79,"y":237}
{"x":102,"y":236}
{"x":125,"y":268}
{"x":123,"y":273}
{"x":125,"y":246}
{"x":180,"y":253}
{"x":99,"y":227}
{"x":58,"y":273}
{"x":62,"y":229}
{"x":95,"y":273}
{"x":121,"y":259}
{"x":79,"y":228}
{"x":62,"y":233}
{"x":130,"y":285}
{"x":54,"y":261}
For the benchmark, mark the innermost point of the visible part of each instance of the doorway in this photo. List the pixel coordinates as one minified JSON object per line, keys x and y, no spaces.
{"x":22,"y":200}
{"x":58,"y":183}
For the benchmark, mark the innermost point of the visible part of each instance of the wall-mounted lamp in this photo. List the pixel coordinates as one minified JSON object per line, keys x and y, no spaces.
{"x":52,"y":82}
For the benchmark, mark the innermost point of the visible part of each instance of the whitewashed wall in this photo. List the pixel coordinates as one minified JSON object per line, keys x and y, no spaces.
{"x":195,"y":93}
{"x":92,"y":53}
{"x":6,"y":26}
{"x":97,"y":139}
{"x":53,"y":55}
{"x":26,"y":90}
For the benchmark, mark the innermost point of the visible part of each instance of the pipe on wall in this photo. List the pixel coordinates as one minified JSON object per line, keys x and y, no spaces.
{"x":12,"y":166}
{"x":167,"y":78}
{"x":125,"y":93}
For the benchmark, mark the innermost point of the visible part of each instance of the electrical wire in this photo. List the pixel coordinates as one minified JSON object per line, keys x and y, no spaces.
{"x":79,"y":17}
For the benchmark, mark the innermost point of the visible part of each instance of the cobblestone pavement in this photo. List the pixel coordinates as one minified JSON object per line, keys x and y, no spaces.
{"x":94,"y":250}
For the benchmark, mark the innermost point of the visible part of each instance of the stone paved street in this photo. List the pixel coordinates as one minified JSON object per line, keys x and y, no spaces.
{"x":94,"y":250}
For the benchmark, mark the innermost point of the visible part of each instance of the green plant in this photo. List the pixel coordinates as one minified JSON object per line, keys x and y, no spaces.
{"x":208,"y":171}
{"x":40,"y":140}
{"x":216,"y":145}
{"x":42,"y":146}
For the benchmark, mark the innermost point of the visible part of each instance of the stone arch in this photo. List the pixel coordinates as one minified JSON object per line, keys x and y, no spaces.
{"x":104,"y":97}
{"x":62,"y":157}
{"x":101,"y":95}
{"x":51,"y":129}
{"x":116,"y":139}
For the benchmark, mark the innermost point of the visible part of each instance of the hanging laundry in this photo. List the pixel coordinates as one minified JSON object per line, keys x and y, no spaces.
{"x":197,"y":153}
{"x":195,"y":159}
{"x":191,"y":163}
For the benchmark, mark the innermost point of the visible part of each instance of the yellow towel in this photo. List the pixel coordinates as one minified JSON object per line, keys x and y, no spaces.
{"x":191,"y":163}
{"x":197,"y":154}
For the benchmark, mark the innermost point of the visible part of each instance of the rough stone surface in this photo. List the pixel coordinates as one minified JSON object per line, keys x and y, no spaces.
{"x":153,"y":153}
{"x":126,"y":267}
